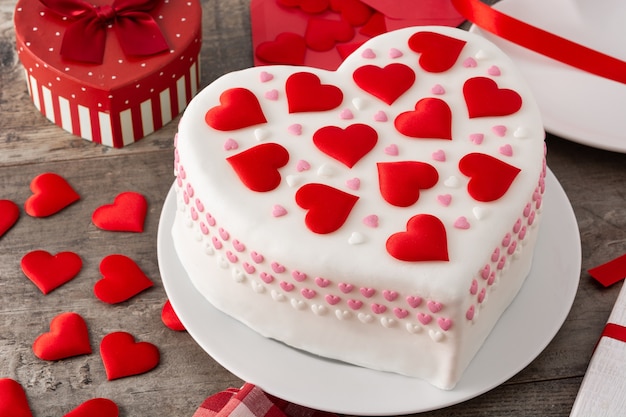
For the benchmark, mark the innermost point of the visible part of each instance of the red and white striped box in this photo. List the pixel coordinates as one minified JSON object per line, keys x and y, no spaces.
{"x":128,"y":95}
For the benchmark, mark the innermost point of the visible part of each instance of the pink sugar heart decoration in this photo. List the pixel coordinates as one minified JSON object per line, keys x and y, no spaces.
{"x":424,"y":318}
{"x":368,"y":54}
{"x":380,"y":116}
{"x":303,"y":165}
{"x":476,"y":138}
{"x":353,"y":183}
{"x":345,"y":288}
{"x":308,"y":293}
{"x":439,"y":155}
{"x":400,"y":312}
{"x":392,"y":150}
{"x":265,"y":76}
{"x":230,"y":144}
{"x":390,"y":295}
{"x":506,"y":150}
{"x":470,"y":63}
{"x":286,"y":286}
{"x":414,"y":300}
{"x":395,"y":53}
{"x":278,"y":210}
{"x":13,"y":401}
{"x":461,"y":223}
{"x":96,"y":407}
{"x":444,"y":199}
{"x":470,"y":313}
{"x":322,"y":282}
{"x":9,"y":214}
{"x":346,"y":114}
{"x":474,"y":287}
{"x":444,"y":323}
{"x":494,"y":70}
{"x":127,"y":213}
{"x":271,"y":94}
{"x":434,"y":306}
{"x":367,"y":292}
{"x":371,"y":220}
{"x":122,"y":356}
{"x":378,"y":308}
{"x":332,"y":299}
{"x":355,"y":304}
{"x":295,"y":129}
{"x":298,"y":276}
{"x":499,"y":130}
{"x":256,"y":257}
{"x":437,"y":89}
{"x":170,"y":318}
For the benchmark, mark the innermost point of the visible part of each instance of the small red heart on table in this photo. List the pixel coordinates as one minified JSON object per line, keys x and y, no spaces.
{"x":322,"y":34}
{"x":123,"y":357}
{"x":425,"y":239}
{"x":96,"y":407}
{"x":68,"y":337}
{"x":490,"y":178}
{"x":287,"y":48}
{"x":9,"y":214}
{"x":387,"y":83}
{"x":13,"y":401}
{"x":257,"y":167}
{"x":328,"y":208}
{"x":170,"y":319}
{"x":400,"y":182}
{"x":347,"y":145}
{"x":51,"y":194}
{"x":121,"y":280}
{"x":438,"y":52}
{"x":431,"y":119}
{"x":49,"y":271}
{"x":238,"y":108}
{"x":126,"y":214}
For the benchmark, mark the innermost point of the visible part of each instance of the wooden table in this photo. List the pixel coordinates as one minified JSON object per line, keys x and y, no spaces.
{"x":30,"y":145}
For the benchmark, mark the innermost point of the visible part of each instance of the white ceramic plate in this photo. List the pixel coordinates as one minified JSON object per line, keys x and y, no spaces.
{"x":575,"y":105}
{"x":522,"y":333}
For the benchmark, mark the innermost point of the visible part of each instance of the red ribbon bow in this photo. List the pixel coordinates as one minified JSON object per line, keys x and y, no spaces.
{"x":85,"y":37}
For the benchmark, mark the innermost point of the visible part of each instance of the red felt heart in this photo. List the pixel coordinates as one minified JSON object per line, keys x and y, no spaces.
{"x":438,"y":52}
{"x":490,"y":178}
{"x":328,"y":208}
{"x":123,"y":357}
{"x":307,"y":6}
{"x":96,"y":407}
{"x":68,"y":336}
{"x":347,"y":145}
{"x":170,"y":319}
{"x":484,"y":98}
{"x":425,"y":239}
{"x":13,"y":401}
{"x":322,"y":34}
{"x":121,"y":280}
{"x":9,"y":214}
{"x":400,"y":182}
{"x":386,"y":83}
{"x":51,"y":194}
{"x":258,"y":166}
{"x":48,"y":272}
{"x":354,"y":12}
{"x":306,"y":93}
{"x":376,"y":25}
{"x":287,"y":48}
{"x":431,"y":119}
{"x":126,"y":214}
{"x":238,"y":108}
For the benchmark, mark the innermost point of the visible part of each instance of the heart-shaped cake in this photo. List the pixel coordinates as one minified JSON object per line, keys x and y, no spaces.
{"x":366,"y":214}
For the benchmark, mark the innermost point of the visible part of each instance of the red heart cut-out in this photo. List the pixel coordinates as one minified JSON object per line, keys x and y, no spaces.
{"x":322,"y":34}
{"x":347,"y":145}
{"x":400,"y":182}
{"x":328,"y":208}
{"x":376,"y":25}
{"x":287,"y":48}
{"x":170,"y":318}
{"x":306,"y":93}
{"x":123,"y":357}
{"x":354,"y":12}
{"x":484,"y":98}
{"x":96,"y":407}
{"x":386,"y":84}
{"x":258,"y":166}
{"x":13,"y":401}
{"x":438,"y":52}
{"x":51,"y":194}
{"x":490,"y":178}
{"x":431,"y":119}
{"x":425,"y":239}
{"x":126,"y":214}
{"x":238,"y":108}
{"x":68,"y":336}
{"x":9,"y":214}
{"x":307,"y":6}
{"x":49,"y":271}
{"x":121,"y":280}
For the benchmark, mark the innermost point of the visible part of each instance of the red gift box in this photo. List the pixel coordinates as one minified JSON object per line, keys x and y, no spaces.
{"x":149,"y":69}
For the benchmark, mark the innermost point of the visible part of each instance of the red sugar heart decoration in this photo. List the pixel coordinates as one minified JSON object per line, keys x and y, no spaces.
{"x":51,"y":194}
{"x":425,"y":239}
{"x":322,"y":34}
{"x":121,"y":280}
{"x":438,"y":52}
{"x":123,"y":357}
{"x":257,"y":167}
{"x":307,"y":6}
{"x":347,"y":145}
{"x":13,"y":401}
{"x":126,"y":214}
{"x":484,"y":98}
{"x":328,"y":208}
{"x":490,"y":178}
{"x":388,"y":83}
{"x":68,"y":336}
{"x":400,"y":182}
{"x":238,"y":108}
{"x":354,"y":12}
{"x":170,"y":319}
{"x":306,"y":93}
{"x":96,"y":407}
{"x":431,"y":119}
{"x":287,"y":48}
{"x":48,"y":271}
{"x":9,"y":214}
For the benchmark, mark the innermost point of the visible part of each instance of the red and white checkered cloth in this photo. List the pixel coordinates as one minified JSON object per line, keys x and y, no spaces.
{"x":252,"y":401}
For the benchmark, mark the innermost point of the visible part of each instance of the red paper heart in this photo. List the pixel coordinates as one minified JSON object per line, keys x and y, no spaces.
{"x":347,"y":145}
{"x":376,"y":25}
{"x":257,"y":167}
{"x":484,"y":98}
{"x":51,"y":194}
{"x":490,"y":178}
{"x":9,"y":214}
{"x":386,"y":83}
{"x":123,"y":357}
{"x":307,"y":6}
{"x":328,"y":208}
{"x":322,"y":34}
{"x":170,"y":319}
{"x":68,"y":336}
{"x":306,"y":93}
{"x":13,"y":401}
{"x":354,"y":12}
{"x":238,"y":108}
{"x":96,"y":407}
{"x":126,"y":214}
{"x":121,"y":280}
{"x":431,"y":119}
{"x":425,"y":239}
{"x":287,"y":48}
{"x":400,"y":182}
{"x":48,"y":272}
{"x":438,"y":52}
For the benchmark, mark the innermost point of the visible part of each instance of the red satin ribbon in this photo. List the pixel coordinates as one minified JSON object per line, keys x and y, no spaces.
{"x":614,"y":331}
{"x":85,"y":37}
{"x":541,"y":41}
